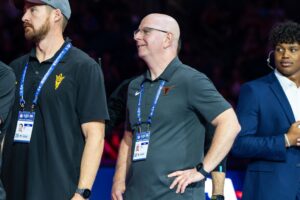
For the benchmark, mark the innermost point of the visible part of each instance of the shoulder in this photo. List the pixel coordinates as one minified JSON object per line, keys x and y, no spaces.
{"x":187,"y":73}
{"x":192,"y":78}
{"x":136,"y":82}
{"x":4,"y":68}
{"x":79,"y":57}
{"x":19,"y":62}
{"x":260,"y":83}
{"x":6,"y":74}
{"x":83,"y":65}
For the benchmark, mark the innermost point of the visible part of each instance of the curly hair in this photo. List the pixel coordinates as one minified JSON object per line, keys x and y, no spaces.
{"x":286,"y":32}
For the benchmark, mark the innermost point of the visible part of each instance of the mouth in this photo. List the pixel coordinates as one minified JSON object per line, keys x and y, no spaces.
{"x":26,"y":25}
{"x":285,"y":63}
{"x":140,"y":45}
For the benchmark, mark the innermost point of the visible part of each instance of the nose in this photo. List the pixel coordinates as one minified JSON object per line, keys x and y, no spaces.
{"x":137,"y":35}
{"x":285,"y":54}
{"x":25,"y":16}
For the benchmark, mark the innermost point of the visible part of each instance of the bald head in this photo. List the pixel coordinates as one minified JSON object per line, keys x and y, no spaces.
{"x":163,"y":22}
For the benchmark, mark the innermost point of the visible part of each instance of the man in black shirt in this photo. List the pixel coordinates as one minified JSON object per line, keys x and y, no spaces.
{"x":7,"y":93}
{"x":61,"y":104}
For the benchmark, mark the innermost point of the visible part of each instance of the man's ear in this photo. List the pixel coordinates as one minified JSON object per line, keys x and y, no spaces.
{"x":58,"y":15}
{"x":168,"y":40}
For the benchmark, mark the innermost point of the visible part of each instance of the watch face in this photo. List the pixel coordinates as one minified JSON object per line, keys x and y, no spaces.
{"x":199,"y":166}
{"x":86,"y":193}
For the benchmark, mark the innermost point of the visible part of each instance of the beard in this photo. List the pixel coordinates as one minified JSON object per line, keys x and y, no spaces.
{"x":36,"y":35}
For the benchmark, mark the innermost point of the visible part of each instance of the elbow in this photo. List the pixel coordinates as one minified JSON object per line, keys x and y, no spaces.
{"x":235,"y":150}
{"x":236,"y":128}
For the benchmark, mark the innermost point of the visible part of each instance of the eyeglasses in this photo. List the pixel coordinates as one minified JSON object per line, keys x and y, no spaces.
{"x":147,"y":30}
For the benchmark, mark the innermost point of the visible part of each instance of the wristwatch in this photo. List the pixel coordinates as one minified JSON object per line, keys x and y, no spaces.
{"x":85,"y":193}
{"x":217,"y":197}
{"x":200,"y":169}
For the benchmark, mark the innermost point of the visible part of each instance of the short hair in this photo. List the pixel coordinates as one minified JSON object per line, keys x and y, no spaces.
{"x":285,"y":32}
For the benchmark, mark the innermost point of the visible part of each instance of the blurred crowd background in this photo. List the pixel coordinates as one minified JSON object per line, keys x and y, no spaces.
{"x":225,"y":39}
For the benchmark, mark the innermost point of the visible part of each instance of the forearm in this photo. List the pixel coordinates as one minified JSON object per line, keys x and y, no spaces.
{"x":227,"y":127}
{"x":124,"y":158}
{"x":218,"y":181}
{"x":91,"y":157}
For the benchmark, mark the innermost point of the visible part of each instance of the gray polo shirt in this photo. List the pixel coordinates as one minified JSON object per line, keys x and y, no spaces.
{"x":187,"y":101}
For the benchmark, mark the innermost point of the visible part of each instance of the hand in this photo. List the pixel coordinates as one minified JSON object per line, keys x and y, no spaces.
{"x":184,"y":178}
{"x":118,"y":189}
{"x":293,"y":134}
{"x":77,"y":197}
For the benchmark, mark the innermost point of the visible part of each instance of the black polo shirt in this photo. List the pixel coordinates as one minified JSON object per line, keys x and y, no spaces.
{"x":7,"y":93}
{"x":48,"y":167}
{"x":187,"y":102}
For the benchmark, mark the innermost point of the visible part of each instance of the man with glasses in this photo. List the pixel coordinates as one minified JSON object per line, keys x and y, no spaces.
{"x":161,"y":154}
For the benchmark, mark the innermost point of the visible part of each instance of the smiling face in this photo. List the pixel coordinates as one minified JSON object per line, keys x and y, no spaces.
{"x":149,"y":37}
{"x":287,"y":60}
{"x":156,"y":36}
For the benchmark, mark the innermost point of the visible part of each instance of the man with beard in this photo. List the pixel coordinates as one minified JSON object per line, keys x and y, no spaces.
{"x":57,"y":153}
{"x":7,"y":93}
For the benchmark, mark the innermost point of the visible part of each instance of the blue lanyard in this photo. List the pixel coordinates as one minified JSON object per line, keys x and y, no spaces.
{"x":162,"y":83}
{"x":50,"y":70}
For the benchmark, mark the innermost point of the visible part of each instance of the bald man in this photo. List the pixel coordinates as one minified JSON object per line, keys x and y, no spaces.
{"x":161,"y":154}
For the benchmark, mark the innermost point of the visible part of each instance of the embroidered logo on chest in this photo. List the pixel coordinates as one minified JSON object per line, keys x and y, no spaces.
{"x":167,"y":89}
{"x":58,"y":80}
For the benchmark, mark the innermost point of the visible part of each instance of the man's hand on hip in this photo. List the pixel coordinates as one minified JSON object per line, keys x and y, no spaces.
{"x":184,"y":178}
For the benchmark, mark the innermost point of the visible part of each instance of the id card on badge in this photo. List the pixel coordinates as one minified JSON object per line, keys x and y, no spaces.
{"x":141,"y":146}
{"x":24,"y":126}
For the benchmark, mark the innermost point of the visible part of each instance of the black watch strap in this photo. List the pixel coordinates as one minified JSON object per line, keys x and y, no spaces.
{"x":217,"y":197}
{"x":85,"y":193}
{"x":200,"y":169}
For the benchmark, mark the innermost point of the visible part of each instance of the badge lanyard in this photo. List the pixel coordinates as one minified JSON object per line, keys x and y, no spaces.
{"x":25,"y":121}
{"x":149,"y":120}
{"x":50,"y":70}
{"x":143,"y":138}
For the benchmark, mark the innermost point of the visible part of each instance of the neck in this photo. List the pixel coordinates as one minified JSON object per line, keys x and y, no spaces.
{"x":46,"y":48}
{"x":296,"y":80}
{"x":158,"y":66}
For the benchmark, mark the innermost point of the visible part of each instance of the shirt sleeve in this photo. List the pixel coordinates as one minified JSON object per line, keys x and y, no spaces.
{"x":204,"y":97}
{"x":7,"y":91}
{"x":91,"y":98}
